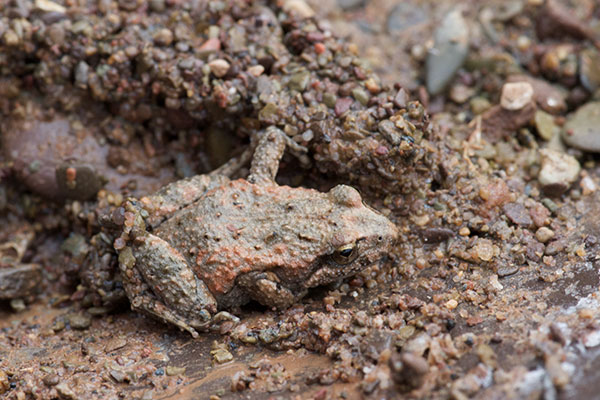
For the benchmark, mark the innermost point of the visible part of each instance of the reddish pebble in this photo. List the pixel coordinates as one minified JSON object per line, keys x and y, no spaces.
{"x":211,"y":44}
{"x":71,"y":174}
{"x":321,"y":394}
{"x":320,"y":48}
{"x":382,"y":150}
{"x":342,"y":105}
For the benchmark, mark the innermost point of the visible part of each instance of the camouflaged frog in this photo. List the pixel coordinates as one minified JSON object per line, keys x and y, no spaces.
{"x":209,"y":243}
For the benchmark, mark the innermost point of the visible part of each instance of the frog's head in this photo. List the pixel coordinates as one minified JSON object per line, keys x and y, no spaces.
{"x":358,"y":237}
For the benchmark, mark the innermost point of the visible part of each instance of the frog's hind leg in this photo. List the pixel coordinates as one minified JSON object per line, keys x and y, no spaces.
{"x":159,"y":282}
{"x":177,"y":195}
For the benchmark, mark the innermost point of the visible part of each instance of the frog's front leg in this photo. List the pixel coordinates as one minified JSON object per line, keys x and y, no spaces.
{"x":265,"y":288}
{"x":269,"y":150}
{"x":158,"y":281}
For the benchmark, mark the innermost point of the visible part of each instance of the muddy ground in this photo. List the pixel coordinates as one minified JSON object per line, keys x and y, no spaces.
{"x":492,"y":291}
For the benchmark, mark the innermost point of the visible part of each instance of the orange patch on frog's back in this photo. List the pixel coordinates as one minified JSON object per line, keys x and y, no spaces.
{"x":220,"y":269}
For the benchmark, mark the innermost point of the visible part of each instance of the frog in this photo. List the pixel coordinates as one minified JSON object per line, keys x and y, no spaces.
{"x":204,"y":245}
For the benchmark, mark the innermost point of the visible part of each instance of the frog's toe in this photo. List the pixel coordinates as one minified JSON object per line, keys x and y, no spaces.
{"x":223,"y":316}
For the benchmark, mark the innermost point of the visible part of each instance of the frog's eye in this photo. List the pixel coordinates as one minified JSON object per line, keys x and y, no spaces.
{"x":345,"y":254}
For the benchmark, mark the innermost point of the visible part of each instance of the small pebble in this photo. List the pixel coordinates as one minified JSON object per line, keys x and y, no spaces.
{"x":451,"y":304}
{"x":4,"y":382}
{"x":221,"y":356}
{"x":589,"y":70}
{"x":517,"y":214}
{"x":544,"y":123}
{"x":582,"y":129}
{"x":350,"y":4}
{"x":163,"y":37}
{"x":298,"y":7}
{"x":117,"y":375}
{"x":256,"y":70}
{"x":49,"y":6}
{"x":80,"y":321}
{"x":588,"y":186}
{"x":558,"y":171}
{"x":65,"y":392}
{"x":516,"y":95}
{"x":484,"y":249}
{"x":174,"y":371}
{"x":544,"y":234}
{"x":18,"y":305}
{"x":219,"y":67}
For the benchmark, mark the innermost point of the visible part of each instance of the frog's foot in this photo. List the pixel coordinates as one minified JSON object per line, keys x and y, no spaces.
{"x":222,"y":317}
{"x":265,"y":288}
{"x":150,"y":305}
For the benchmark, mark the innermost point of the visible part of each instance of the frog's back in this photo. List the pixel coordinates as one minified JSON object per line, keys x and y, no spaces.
{"x":241,"y":227}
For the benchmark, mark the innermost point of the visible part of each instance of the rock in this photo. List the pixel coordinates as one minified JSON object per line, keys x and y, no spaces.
{"x":118,"y":376}
{"x":221,"y":356}
{"x":49,"y":6}
{"x":517,"y":214}
{"x":555,"y":247}
{"x":81,"y":74}
{"x":588,"y":186}
{"x":342,"y":105}
{"x":451,"y":46}
{"x":256,"y":70}
{"x":351,"y":4}
{"x":460,"y":93}
{"x":80,"y":321}
{"x":498,"y":122}
{"x":4,"y":382}
{"x":544,"y":123}
{"x":544,"y":234}
{"x":589,"y":69}
{"x":556,"y":20}
{"x":558,"y":171}
{"x":582,"y":129}
{"x":298,"y":7}
{"x":404,"y":16}
{"x":516,"y":95}
{"x":219,"y":67}
{"x":18,"y":305}
{"x":79,"y":182}
{"x":65,"y":392}
{"x":550,"y":98}
{"x":174,"y":371}
{"x":19,"y":280}
{"x":436,"y":235}
{"x":57,"y":158}
{"x":479,"y":105}
{"x":157,"y":5}
{"x":51,"y":379}
{"x":299,"y":81}
{"x":408,"y":369}
{"x":163,"y":37}
{"x":483,"y":249}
